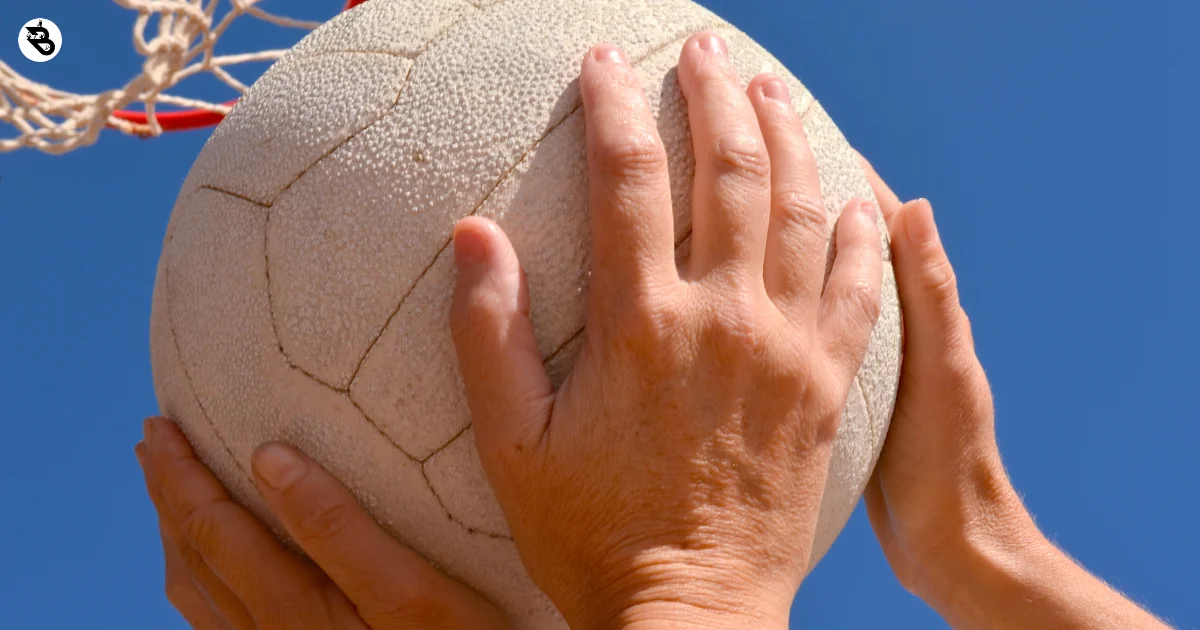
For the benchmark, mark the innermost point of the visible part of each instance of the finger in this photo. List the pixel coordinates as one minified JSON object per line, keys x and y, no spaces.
{"x":732,"y":200}
{"x":798,"y":236}
{"x":237,"y":546}
{"x":934,"y":320}
{"x":851,"y":303}
{"x":507,"y":388}
{"x":388,"y":583}
{"x":219,"y":595}
{"x":192,"y":569}
{"x":187,"y":597}
{"x":877,"y":511}
{"x":889,"y":203}
{"x":630,"y":188}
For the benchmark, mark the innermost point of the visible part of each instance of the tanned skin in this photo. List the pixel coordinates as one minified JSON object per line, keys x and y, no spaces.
{"x":674,"y":479}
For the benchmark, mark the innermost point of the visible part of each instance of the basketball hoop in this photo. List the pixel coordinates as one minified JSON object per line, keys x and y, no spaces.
{"x":57,"y":122}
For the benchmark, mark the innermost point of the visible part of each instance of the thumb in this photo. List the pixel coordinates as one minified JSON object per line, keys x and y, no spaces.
{"x":390,"y":585}
{"x":502,"y":368}
{"x":934,"y":319}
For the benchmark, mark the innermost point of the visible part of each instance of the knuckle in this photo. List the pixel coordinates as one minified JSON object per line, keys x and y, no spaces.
{"x":631,"y":155}
{"x":827,"y":392}
{"x":827,"y":398}
{"x":966,"y":393}
{"x":651,"y":324}
{"x":325,"y":521}
{"x":739,"y":330}
{"x":742,"y":154}
{"x":611,"y":82}
{"x":801,"y":209}
{"x":861,"y":299}
{"x":201,"y":524}
{"x":959,"y":376}
{"x":939,"y":280}
{"x":715,"y":78}
{"x":471,"y":314}
{"x":788,"y":372}
{"x":962,"y":373}
{"x":818,"y":429}
{"x":825,"y":427}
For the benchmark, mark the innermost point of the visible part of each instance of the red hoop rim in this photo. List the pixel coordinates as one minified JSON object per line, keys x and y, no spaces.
{"x":191,"y":118}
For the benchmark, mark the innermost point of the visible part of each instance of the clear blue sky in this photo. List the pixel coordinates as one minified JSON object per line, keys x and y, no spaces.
{"x":1054,"y":138}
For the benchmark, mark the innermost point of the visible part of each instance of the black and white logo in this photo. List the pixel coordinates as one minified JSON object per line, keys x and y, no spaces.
{"x":40,"y":40}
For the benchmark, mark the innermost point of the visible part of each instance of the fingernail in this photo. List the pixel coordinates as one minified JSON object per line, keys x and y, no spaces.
{"x":919,"y":226}
{"x":470,"y":246}
{"x":607,"y":53}
{"x":776,"y":90}
{"x":278,"y":465}
{"x":871,"y":210}
{"x":713,"y":44}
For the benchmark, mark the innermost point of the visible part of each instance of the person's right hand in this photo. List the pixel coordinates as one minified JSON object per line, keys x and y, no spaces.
{"x":226,"y":570}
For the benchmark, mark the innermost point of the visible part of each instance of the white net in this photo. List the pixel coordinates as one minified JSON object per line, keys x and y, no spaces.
{"x":178,"y":45}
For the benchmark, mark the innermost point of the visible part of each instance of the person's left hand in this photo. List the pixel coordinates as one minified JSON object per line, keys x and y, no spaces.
{"x":225,"y":570}
{"x":675,"y":477}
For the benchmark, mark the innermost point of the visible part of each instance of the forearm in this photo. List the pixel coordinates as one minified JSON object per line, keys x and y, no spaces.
{"x":1018,"y":579}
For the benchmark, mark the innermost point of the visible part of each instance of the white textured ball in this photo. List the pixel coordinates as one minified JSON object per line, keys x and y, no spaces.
{"x":304,"y":287}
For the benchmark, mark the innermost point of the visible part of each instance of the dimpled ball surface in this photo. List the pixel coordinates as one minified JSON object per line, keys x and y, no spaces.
{"x":306,"y":276}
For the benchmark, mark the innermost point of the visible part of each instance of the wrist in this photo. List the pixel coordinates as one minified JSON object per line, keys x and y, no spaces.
{"x":678,"y":615}
{"x":1014,"y":577}
{"x":684,"y":599}
{"x":998,"y":556}
{"x":965,"y":528}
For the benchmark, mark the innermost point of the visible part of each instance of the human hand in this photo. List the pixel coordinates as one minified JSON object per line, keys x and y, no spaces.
{"x":947,"y":517}
{"x":677,"y":473}
{"x":225,"y":570}
{"x":939,"y":479}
